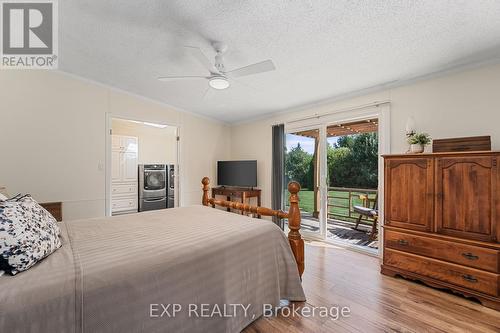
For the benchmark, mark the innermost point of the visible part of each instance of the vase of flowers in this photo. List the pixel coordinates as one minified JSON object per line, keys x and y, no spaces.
{"x":418,"y":141}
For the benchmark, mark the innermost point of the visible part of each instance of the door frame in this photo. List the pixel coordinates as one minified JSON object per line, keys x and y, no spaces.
{"x":381,"y":111}
{"x":107,"y":165}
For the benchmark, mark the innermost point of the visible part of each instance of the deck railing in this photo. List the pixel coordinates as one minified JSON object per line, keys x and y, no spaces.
{"x":341,"y":201}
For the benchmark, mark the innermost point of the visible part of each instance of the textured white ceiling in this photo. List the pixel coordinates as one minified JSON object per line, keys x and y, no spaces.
{"x":321,"y":49}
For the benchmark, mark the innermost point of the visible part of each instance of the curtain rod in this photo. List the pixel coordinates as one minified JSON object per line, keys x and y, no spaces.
{"x":317,"y":116}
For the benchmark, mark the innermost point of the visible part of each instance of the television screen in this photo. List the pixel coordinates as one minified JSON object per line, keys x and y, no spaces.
{"x":237,"y":173}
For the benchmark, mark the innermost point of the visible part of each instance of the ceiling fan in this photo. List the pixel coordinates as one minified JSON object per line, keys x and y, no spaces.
{"x":219,"y":77}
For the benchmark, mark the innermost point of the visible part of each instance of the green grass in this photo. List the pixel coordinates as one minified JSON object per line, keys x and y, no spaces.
{"x":306,"y":202}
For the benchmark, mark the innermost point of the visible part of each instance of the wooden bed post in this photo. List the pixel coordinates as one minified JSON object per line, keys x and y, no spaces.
{"x":206,"y":182}
{"x":293,"y":216}
{"x":294,"y":237}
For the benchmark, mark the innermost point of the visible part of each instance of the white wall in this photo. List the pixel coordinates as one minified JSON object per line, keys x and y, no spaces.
{"x":52,"y":131}
{"x":156,"y":145}
{"x":456,"y":105}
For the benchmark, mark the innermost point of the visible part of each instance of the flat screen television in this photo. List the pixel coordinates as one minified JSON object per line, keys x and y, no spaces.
{"x":237,"y":173}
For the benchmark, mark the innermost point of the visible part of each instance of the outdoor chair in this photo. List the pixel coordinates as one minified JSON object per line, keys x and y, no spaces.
{"x":368,"y":211}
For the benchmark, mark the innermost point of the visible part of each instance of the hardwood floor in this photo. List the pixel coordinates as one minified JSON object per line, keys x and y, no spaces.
{"x":339,"y":277}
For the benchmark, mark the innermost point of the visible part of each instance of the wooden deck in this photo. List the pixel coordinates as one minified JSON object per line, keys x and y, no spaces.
{"x":341,"y":231}
{"x":339,"y":277}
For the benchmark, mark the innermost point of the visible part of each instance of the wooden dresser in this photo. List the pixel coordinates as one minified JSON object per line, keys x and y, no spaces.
{"x":442,"y":216}
{"x":239,"y":192}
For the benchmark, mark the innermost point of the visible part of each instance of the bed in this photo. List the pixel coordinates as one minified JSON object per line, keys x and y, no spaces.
{"x":131,"y":273}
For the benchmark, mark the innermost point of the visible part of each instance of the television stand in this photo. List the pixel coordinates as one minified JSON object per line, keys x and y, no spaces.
{"x":237,"y":192}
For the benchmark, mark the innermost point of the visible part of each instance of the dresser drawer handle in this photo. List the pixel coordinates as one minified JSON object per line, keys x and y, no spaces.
{"x":403,"y":242}
{"x":470,"y":256}
{"x":469,"y":278}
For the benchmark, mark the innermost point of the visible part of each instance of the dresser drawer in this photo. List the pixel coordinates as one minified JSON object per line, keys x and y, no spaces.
{"x":228,"y":193}
{"x":119,"y":205}
{"x":123,"y":189}
{"x":468,"y":255}
{"x":458,"y":275}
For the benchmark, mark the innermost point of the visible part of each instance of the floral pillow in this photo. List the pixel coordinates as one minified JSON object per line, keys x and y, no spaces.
{"x":28,"y":233}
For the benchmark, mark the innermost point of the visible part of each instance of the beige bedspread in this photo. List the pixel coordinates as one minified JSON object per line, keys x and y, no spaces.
{"x":119,"y":274}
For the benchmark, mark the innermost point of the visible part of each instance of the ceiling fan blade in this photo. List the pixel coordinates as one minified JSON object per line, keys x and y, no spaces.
{"x":260,"y":67}
{"x":202,"y":59}
{"x":171,"y":78}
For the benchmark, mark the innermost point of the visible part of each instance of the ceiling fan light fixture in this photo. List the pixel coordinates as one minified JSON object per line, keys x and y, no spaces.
{"x":219,"y":83}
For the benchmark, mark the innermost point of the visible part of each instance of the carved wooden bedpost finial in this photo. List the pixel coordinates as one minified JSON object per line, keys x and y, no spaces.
{"x":296,"y":241}
{"x":205,"y":181}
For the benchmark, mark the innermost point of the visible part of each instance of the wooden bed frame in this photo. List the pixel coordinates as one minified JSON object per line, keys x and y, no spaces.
{"x":293,"y":216}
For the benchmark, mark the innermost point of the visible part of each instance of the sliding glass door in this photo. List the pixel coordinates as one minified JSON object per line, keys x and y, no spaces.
{"x":304,"y":156}
{"x":336,"y":160}
{"x":352,"y":179}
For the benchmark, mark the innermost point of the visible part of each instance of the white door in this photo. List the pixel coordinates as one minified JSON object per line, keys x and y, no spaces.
{"x":129,"y":144}
{"x":129,"y":166}
{"x":116,"y":142}
{"x":116,"y":165}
